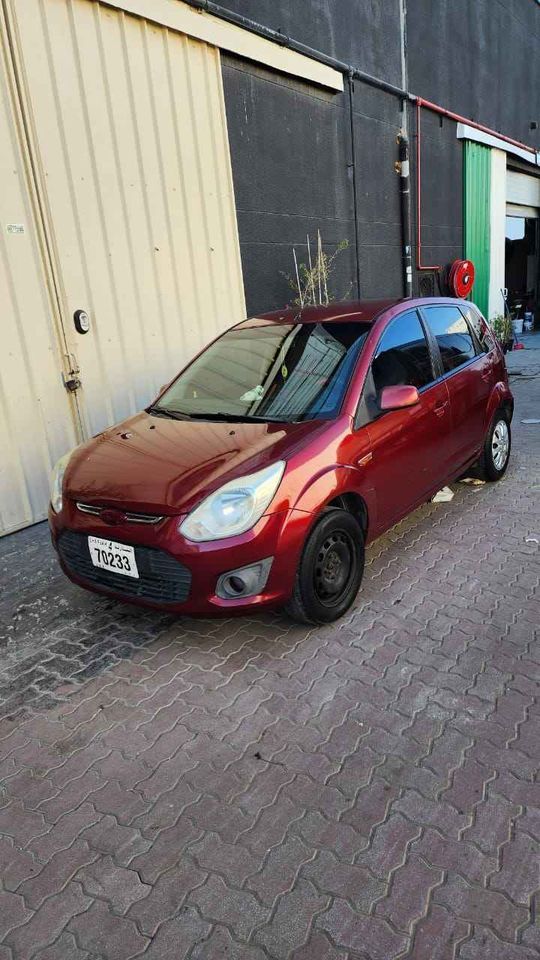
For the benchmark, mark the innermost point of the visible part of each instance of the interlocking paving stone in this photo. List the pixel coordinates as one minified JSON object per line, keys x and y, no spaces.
{"x":103,"y":933}
{"x":485,"y":944}
{"x":167,"y":896}
{"x":253,"y":789}
{"x":176,"y":938}
{"x":65,"y":948}
{"x":47,"y":923}
{"x":290,"y":924}
{"x":220,"y":945}
{"x":437,"y":935}
{"x":120,"y":887}
{"x":480,"y":906}
{"x":359,"y":933}
{"x":13,"y":911}
{"x":56,"y":873}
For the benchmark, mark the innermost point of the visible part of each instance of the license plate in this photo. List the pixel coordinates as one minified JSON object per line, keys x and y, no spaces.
{"x":116,"y":557}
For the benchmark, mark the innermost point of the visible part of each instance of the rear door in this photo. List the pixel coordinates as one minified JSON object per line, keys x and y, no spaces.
{"x":468,"y":372}
{"x":408,"y":447}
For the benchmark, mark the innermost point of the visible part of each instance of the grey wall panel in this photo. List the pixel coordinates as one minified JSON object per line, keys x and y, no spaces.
{"x":291,"y":154}
{"x":442,"y":189}
{"x":479,"y":59}
{"x":377,"y":122}
{"x":364,"y":33}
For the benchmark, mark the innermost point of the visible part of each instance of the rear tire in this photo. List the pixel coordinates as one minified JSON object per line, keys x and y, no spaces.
{"x":330,"y":570}
{"x":496,"y":454}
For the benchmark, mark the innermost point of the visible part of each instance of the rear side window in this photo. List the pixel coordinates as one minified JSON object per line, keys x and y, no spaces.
{"x":479,"y":327}
{"x":452,"y":334}
{"x":402,"y":355}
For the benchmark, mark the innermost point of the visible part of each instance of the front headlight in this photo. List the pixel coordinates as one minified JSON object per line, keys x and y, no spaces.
{"x":57,"y":481}
{"x":235,"y":507}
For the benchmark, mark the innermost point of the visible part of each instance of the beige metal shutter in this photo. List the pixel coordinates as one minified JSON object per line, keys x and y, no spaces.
{"x":36,"y":413}
{"x":133,"y":160}
{"x":522,"y":190}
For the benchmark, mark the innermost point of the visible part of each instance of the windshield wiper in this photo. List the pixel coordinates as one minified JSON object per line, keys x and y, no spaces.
{"x":236,"y":418}
{"x":167,"y":412}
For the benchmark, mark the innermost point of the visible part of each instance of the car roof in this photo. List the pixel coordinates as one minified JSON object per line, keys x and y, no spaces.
{"x":359,"y":311}
{"x":354,"y":311}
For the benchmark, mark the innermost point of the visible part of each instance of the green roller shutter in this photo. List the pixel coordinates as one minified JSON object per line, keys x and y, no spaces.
{"x":476,"y":207}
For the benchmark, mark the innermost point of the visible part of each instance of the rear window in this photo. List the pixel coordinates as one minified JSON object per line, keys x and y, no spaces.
{"x":452,"y":334}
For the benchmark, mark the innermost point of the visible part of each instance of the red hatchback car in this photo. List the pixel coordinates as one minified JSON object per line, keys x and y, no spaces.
{"x":259,"y":474}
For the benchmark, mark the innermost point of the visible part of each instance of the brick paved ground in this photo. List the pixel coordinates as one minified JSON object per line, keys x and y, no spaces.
{"x":252,"y":789}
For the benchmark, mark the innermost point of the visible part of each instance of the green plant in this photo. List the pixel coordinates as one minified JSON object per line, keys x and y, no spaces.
{"x":502,"y":327}
{"x":310,"y":280}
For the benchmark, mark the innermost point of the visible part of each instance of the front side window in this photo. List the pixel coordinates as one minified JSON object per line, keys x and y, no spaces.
{"x":274,"y":372}
{"x":402,"y":356}
{"x":452,"y":335}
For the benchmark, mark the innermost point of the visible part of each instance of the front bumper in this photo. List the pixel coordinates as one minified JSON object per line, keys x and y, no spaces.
{"x":175,"y":574}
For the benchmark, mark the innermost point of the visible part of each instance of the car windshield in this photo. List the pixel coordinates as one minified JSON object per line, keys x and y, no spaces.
{"x":273,"y":372}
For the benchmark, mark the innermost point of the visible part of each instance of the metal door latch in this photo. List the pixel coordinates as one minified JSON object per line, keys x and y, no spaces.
{"x":71,"y":379}
{"x":71,"y":383}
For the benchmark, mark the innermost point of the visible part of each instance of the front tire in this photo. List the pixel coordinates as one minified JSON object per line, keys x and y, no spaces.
{"x":497,"y":446}
{"x":330,"y":570}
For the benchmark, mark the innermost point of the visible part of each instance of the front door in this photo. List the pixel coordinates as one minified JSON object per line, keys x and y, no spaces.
{"x":408,"y":447}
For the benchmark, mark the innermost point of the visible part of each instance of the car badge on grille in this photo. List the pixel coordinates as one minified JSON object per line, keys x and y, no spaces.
{"x":112,"y":517}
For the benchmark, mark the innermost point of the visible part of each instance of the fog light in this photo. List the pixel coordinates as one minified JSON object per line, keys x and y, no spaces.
{"x":245,"y":581}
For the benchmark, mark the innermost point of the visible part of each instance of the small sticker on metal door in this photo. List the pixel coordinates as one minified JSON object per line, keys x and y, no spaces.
{"x":16,"y":228}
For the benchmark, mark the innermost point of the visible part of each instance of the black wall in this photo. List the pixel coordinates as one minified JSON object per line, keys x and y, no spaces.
{"x":290,"y":150}
{"x":480,"y":59}
{"x":441,"y":190}
{"x":361,"y":32}
{"x":291,"y":141}
{"x":291,"y":158}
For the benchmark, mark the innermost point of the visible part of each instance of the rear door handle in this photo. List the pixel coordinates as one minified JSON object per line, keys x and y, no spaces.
{"x":440,"y":408}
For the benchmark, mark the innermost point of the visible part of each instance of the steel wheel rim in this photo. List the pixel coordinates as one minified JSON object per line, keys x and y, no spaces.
{"x":335,"y":566}
{"x":500,"y":444}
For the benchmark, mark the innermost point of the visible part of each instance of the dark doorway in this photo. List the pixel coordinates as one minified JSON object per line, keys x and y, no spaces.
{"x":522,"y":265}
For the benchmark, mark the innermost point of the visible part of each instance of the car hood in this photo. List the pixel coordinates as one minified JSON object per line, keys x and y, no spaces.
{"x":152,"y":464}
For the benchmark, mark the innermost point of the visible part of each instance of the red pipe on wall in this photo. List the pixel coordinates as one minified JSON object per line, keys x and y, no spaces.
{"x":435,"y":108}
{"x":472,"y":123}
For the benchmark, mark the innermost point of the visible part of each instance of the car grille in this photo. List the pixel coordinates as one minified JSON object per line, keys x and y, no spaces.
{"x":129,"y":517}
{"x":162,"y":579}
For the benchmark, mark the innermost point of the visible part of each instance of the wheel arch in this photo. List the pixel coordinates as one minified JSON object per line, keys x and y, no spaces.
{"x":339,"y":486}
{"x":353,"y":503}
{"x":500,"y":399}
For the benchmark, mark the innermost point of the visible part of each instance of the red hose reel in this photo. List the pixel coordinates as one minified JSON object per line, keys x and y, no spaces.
{"x":461,"y":278}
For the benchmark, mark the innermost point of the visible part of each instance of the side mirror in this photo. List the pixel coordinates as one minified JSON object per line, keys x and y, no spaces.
{"x":399,"y":397}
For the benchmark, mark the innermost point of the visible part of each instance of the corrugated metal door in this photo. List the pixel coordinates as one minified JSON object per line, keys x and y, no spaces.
{"x":37,"y":415}
{"x":522,"y":189}
{"x":133,"y":158}
{"x":476,"y":203}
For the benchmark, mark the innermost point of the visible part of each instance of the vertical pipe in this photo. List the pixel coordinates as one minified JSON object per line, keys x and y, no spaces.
{"x":405,"y":196}
{"x":354,"y":181}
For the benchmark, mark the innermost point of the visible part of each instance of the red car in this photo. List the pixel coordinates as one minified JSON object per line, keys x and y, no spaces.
{"x":259,"y":474}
